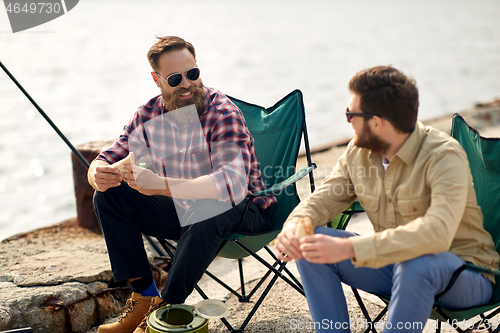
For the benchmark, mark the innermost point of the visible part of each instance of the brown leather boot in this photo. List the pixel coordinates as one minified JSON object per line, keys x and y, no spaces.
{"x":155,"y":304}
{"x":131,"y":315}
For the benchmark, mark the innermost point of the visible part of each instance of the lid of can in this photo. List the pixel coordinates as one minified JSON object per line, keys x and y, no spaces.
{"x":211,"y":309}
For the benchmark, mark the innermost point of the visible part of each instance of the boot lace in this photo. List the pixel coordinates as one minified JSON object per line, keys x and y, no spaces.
{"x":152,"y":307}
{"x":128,"y":308}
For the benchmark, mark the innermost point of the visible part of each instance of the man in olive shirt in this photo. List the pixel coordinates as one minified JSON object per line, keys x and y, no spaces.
{"x":415,"y":185}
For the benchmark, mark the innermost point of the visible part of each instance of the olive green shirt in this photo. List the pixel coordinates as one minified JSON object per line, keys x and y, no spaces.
{"x":423,"y":203}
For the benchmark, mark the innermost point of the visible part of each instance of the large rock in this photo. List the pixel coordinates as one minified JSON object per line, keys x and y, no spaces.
{"x":57,"y":279}
{"x":42,"y":307}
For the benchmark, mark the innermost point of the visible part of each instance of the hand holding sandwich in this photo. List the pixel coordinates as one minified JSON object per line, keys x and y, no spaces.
{"x":103,"y":176}
{"x":145,"y":181}
{"x":299,"y":242}
{"x":289,"y":240}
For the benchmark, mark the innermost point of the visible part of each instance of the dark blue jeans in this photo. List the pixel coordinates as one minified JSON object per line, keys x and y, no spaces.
{"x":125,"y":214}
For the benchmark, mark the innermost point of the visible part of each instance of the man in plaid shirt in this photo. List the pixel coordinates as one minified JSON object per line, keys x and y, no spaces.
{"x":196,"y":141}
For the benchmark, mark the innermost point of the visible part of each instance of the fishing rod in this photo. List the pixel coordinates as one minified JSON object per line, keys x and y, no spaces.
{"x":76,"y":152}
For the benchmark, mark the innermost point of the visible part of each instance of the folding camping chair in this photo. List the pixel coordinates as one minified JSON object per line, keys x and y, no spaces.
{"x":277,"y":132}
{"x":484,"y":160}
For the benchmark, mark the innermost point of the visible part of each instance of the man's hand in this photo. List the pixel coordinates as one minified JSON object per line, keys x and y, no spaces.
{"x":145,"y":181}
{"x":287,"y":245}
{"x":102,"y":177}
{"x":324,"y":249}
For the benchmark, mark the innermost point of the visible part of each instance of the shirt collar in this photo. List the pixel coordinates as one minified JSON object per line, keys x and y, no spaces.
{"x":409,"y":149}
{"x":206,"y":101}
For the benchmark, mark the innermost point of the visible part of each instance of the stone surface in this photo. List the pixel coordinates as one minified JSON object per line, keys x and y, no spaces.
{"x":35,"y":306}
{"x":41,"y":258}
{"x":43,"y":269}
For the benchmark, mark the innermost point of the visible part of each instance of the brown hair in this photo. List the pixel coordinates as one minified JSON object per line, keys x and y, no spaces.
{"x":167,"y":44}
{"x":388,"y":93}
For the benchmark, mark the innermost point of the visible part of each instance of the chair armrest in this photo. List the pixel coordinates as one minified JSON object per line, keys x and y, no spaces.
{"x":340,"y":222}
{"x":354,"y":208}
{"x":277,"y":188}
{"x":479,"y":269}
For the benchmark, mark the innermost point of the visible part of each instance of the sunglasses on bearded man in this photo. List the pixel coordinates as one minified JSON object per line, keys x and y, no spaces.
{"x":175,"y":79}
{"x":350,"y":114}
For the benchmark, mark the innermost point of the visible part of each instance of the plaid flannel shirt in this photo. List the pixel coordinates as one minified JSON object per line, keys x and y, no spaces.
{"x":218,"y":144}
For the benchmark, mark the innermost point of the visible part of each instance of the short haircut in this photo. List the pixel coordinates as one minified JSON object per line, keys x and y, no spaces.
{"x":167,"y":44}
{"x":388,"y":93}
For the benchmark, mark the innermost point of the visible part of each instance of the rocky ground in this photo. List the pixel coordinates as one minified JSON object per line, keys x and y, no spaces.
{"x":51,"y":275}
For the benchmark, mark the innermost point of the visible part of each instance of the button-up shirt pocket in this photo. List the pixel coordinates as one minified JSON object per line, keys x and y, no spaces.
{"x":370,"y":204}
{"x":412,"y":208}
{"x":198,"y":159}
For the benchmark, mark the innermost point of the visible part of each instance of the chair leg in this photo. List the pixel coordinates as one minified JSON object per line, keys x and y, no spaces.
{"x":270,"y":267}
{"x":297,"y":282}
{"x":491,"y":315}
{"x":223,"y":284}
{"x":458,"y":329}
{"x":166,"y":246}
{"x":244,"y":297}
{"x":261,"y":299}
{"x":381,"y":315}
{"x":261,"y":281}
{"x":370,"y":324}
{"x":484,"y":320}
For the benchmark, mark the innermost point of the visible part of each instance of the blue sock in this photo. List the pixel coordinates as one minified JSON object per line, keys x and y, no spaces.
{"x":145,"y":286}
{"x":152,"y":290}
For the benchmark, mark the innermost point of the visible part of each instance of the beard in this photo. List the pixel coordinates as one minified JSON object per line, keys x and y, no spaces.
{"x":173,"y":102}
{"x":370,"y":141}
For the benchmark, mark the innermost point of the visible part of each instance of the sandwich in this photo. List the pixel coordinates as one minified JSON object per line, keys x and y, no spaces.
{"x":129,"y":160}
{"x":304,"y":228}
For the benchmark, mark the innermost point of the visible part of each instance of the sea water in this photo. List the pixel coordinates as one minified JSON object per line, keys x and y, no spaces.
{"x":88,"y":71}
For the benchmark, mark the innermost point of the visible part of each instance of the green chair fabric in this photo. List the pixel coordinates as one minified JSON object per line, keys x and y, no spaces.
{"x":277,"y":133}
{"x":484,"y":161}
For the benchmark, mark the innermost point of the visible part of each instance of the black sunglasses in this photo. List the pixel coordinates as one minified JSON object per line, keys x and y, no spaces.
{"x":350,"y":114}
{"x":175,"y":79}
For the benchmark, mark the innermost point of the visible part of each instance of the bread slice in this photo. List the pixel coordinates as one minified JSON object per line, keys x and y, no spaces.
{"x":129,"y":160}
{"x":304,"y":228}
